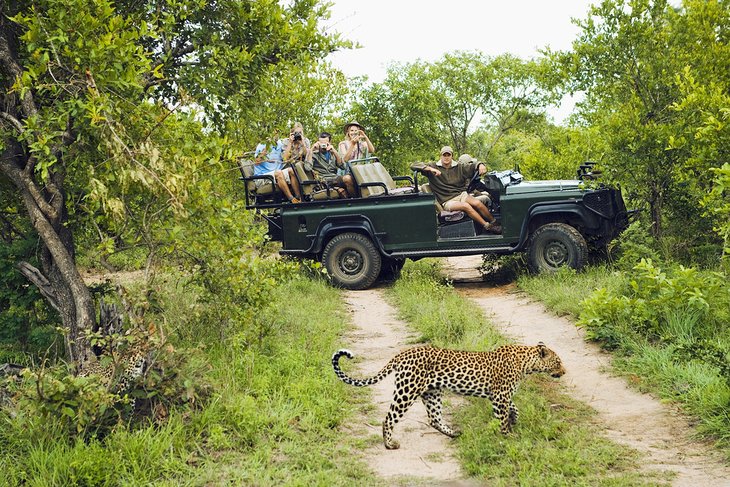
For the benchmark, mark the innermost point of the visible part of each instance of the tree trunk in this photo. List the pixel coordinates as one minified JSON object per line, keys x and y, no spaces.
{"x":44,"y":199}
{"x":65,"y":289}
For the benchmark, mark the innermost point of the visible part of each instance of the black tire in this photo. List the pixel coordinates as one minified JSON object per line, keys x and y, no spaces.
{"x":390,"y":268}
{"x":352,"y":261}
{"x":555,"y":245}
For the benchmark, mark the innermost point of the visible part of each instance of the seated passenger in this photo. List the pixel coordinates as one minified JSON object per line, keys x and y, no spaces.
{"x":324,"y":160}
{"x":356,"y":145}
{"x":449,"y":180}
{"x":296,"y":147}
{"x":271,"y":164}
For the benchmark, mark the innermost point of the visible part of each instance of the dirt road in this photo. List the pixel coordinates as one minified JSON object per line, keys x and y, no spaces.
{"x":424,"y":452}
{"x":630,"y":418}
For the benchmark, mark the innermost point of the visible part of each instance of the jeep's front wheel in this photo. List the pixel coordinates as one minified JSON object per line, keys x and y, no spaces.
{"x":352,"y":261}
{"x":555,"y":245}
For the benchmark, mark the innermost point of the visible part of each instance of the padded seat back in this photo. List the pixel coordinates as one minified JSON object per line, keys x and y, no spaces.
{"x":269,"y":187}
{"x":312,"y":188}
{"x":374,"y":179}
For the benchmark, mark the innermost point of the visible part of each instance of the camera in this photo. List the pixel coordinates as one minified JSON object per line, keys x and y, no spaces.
{"x":297,"y":136}
{"x":323,"y":147}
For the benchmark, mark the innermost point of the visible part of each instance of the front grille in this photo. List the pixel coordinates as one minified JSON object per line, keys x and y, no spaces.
{"x":600,"y":202}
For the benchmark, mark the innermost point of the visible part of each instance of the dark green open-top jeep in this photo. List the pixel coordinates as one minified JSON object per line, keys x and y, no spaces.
{"x":361,"y":239}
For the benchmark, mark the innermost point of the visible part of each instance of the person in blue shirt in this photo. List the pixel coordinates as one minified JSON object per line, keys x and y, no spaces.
{"x":272,"y":164}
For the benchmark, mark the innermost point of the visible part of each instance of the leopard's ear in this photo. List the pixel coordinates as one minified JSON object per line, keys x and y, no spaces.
{"x":542,"y":349}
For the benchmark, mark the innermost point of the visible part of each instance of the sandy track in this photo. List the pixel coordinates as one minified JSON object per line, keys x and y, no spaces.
{"x":425,"y":455}
{"x":630,"y":418}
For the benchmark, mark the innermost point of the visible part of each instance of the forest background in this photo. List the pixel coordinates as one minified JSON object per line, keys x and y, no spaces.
{"x":121,"y":122}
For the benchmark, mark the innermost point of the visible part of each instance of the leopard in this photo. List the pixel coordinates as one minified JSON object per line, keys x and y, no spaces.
{"x":427,"y":371}
{"x":120,"y":373}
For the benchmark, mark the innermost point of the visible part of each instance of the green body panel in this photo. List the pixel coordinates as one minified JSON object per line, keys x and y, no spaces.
{"x":399,"y":222}
{"x":407,"y":225}
{"x":517,"y":201}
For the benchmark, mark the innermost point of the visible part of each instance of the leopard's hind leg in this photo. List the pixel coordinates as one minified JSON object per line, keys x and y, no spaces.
{"x":402,"y":400}
{"x":434,"y":408}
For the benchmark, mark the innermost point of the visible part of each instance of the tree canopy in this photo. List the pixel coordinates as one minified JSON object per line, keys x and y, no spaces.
{"x":114,"y":113}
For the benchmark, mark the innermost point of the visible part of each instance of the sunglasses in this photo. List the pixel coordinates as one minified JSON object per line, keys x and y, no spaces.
{"x":446,"y":154}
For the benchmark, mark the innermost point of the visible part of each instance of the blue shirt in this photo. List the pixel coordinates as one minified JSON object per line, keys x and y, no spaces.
{"x":273,"y":161}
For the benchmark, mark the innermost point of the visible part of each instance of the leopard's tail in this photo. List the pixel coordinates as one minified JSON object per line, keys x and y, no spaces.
{"x":358,"y":382}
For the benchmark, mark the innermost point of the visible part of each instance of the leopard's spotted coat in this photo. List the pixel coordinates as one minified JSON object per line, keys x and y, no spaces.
{"x":426,"y":372}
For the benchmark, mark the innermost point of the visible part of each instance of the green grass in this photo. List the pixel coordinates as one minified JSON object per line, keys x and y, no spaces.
{"x":563,"y":291}
{"x":275,"y":416}
{"x":556,"y":441}
{"x":671,"y":359}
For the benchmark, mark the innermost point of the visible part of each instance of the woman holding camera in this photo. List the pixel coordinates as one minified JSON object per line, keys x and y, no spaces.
{"x":296,"y":146}
{"x":356,"y":145}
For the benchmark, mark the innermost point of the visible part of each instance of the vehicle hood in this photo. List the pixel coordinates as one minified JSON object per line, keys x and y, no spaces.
{"x":543,"y":186}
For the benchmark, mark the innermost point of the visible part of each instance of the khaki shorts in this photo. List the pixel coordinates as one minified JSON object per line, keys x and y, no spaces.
{"x":456,"y":199}
{"x":264,"y":181}
{"x":335,"y":181}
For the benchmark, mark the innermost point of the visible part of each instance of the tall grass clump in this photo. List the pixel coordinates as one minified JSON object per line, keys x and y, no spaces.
{"x":426,"y":298}
{"x":555,"y":442}
{"x":271,"y":416}
{"x":667,"y":325}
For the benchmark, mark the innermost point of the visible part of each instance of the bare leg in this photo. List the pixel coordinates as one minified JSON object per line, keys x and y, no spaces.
{"x":281,"y":182}
{"x":469,"y":210}
{"x":349,"y":185}
{"x":481,"y":208}
{"x":294,"y":183}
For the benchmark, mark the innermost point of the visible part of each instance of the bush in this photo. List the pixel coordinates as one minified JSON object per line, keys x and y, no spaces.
{"x":26,"y":322}
{"x":634,"y":244}
{"x":503,"y":269}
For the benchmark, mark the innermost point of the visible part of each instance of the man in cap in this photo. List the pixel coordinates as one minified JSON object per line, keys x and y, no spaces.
{"x":449,"y":180}
{"x":356,"y":145}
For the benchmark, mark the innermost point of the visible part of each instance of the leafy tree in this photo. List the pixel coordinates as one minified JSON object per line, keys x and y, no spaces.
{"x":630,"y":59}
{"x":421,"y":106}
{"x":102,"y":109}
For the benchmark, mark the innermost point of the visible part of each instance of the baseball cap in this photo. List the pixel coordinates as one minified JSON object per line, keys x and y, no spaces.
{"x":467,"y":158}
{"x":446,"y":149}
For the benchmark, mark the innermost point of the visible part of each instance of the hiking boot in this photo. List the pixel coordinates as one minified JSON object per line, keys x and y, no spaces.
{"x":493,"y":228}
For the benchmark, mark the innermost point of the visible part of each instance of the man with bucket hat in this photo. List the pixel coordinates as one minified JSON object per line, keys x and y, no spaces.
{"x":449,"y":179}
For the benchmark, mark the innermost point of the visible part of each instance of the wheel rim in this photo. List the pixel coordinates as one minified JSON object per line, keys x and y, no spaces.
{"x":556,"y":254}
{"x":351,"y":262}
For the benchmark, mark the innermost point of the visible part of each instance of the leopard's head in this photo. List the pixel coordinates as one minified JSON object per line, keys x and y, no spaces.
{"x":547,"y":361}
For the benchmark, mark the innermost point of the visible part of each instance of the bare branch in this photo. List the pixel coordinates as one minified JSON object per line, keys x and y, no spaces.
{"x":13,"y":121}
{"x":34,"y":275}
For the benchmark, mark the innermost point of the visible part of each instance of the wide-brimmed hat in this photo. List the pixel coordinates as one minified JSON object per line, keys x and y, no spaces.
{"x":446,"y":149}
{"x":467,"y":158}
{"x":351,"y":124}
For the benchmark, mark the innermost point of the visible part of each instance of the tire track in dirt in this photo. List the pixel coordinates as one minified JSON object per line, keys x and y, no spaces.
{"x":425,"y":456}
{"x":638,"y":420}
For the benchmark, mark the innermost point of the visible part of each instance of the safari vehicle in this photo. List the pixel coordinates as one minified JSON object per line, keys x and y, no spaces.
{"x":361,"y":239}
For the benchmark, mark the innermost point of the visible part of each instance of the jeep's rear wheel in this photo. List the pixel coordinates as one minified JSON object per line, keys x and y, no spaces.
{"x":555,"y":245}
{"x":352,"y":261}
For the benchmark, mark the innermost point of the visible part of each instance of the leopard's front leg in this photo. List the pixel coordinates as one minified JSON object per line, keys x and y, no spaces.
{"x":514,"y":413}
